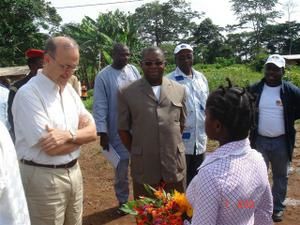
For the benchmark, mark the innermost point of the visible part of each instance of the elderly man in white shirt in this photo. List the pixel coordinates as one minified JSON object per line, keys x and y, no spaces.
{"x":196,"y":87}
{"x":50,"y":125}
{"x":13,"y":206}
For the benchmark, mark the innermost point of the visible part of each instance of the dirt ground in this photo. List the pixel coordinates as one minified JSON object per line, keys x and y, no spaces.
{"x":100,"y":204}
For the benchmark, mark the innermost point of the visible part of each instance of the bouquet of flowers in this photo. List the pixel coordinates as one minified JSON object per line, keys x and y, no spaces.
{"x":163,"y":209}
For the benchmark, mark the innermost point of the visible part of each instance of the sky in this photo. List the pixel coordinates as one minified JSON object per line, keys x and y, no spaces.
{"x":218,"y":10}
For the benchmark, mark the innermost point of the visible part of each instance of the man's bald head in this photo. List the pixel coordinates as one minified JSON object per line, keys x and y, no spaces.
{"x":61,"y":59}
{"x":59,"y":42}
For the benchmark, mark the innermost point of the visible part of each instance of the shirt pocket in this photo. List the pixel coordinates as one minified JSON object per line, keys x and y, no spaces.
{"x":175,"y":111}
{"x":180,"y":157}
{"x":137,"y":165}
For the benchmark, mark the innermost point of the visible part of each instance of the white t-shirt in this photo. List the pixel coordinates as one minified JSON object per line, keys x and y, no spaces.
{"x":37,"y":104}
{"x":13,"y":205}
{"x":156,"y":91}
{"x":271,"y":115}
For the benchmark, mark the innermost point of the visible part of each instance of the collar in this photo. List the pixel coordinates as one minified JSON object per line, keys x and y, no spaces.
{"x":234,"y":148}
{"x":46,"y":83}
{"x":179,"y":75}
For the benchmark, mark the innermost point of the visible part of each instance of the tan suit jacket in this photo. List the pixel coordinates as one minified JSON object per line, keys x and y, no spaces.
{"x":157,"y":150}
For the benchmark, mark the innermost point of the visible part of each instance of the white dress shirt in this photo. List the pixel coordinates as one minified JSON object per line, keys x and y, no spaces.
{"x":40,"y":103}
{"x":197,"y":91}
{"x":13,"y":205}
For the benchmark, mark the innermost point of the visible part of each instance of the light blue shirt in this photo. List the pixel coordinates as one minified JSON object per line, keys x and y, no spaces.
{"x":197,"y":91}
{"x":3,"y":105}
{"x":108,"y":84}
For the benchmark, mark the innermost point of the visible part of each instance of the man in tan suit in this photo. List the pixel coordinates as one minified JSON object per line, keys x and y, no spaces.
{"x":151,"y":118}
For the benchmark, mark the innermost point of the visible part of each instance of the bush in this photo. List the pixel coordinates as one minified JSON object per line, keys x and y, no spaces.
{"x":258,"y":63}
{"x":90,"y":92}
{"x":88,"y":103}
{"x":225,"y":61}
{"x":292,"y":75}
{"x":239,"y":74}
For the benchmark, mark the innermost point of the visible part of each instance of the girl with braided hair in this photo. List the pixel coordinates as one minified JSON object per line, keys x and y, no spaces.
{"x":232,"y":185}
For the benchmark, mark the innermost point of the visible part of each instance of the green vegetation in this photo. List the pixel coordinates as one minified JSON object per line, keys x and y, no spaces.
{"x":241,"y":75}
{"x":292,"y":73}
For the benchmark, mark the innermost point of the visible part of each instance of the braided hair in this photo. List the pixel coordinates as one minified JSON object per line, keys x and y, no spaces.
{"x":234,"y":107}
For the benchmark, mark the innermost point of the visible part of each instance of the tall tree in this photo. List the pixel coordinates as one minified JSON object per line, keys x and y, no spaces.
{"x":209,"y":41}
{"x":167,"y":22}
{"x":96,"y":38}
{"x":241,"y":45}
{"x":20,"y":28}
{"x":257,"y":14}
{"x":278,"y":38}
{"x":290,"y":8}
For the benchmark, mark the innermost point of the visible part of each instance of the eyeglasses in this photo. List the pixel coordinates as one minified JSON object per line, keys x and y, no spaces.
{"x":150,"y":63}
{"x":65,"y":67}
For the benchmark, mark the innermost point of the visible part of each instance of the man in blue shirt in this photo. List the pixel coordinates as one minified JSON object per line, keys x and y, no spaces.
{"x":196,"y":87}
{"x":108,"y":84}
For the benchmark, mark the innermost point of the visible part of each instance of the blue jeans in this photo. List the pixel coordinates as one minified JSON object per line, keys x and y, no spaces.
{"x":274,"y":151}
{"x":121,"y":181}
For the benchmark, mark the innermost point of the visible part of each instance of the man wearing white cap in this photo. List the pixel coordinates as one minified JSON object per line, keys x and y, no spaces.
{"x":274,"y":133}
{"x":196,"y":87}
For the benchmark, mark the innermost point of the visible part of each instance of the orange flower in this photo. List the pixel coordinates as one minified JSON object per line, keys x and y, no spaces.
{"x":163,"y":209}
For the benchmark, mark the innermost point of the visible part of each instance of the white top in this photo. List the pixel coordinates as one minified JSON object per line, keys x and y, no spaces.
{"x":197,"y":91}
{"x":13,"y":206}
{"x":37,"y":104}
{"x":156,"y":91}
{"x":231,"y":187}
{"x":271,"y":115}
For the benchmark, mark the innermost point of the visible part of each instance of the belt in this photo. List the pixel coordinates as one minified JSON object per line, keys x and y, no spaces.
{"x":280,"y":136}
{"x":61,"y":166}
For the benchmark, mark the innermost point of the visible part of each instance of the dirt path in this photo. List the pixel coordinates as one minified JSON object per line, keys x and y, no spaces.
{"x":100,"y":202}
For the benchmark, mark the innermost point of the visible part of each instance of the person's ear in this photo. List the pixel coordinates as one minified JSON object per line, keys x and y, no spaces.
{"x":46,"y":58}
{"x":218,"y":126}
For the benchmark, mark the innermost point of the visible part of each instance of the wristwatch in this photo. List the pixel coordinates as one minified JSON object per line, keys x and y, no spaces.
{"x":73,"y":134}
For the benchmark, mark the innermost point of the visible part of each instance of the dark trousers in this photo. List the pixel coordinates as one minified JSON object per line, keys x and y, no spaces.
{"x":192,"y":164}
{"x":274,"y":151}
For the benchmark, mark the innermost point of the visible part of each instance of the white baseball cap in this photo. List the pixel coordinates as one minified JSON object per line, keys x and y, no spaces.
{"x":276,"y":59}
{"x":182,"y":47}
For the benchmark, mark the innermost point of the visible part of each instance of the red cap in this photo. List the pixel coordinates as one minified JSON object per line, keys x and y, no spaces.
{"x":32,"y":53}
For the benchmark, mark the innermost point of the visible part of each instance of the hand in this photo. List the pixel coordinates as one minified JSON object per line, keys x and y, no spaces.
{"x":84,"y":121}
{"x":104,"y":140}
{"x":54,"y":138}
